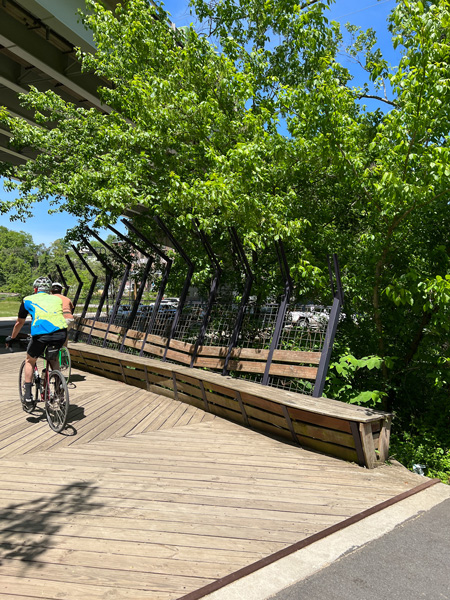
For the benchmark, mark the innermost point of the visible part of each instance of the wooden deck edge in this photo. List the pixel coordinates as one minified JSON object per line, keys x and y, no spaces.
{"x":345,"y":432}
{"x":268,"y":560}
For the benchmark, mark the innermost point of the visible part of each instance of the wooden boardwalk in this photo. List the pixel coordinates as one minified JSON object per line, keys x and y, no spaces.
{"x":149,"y":498}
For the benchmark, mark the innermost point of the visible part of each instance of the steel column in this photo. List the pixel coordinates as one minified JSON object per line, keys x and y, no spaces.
{"x":186,"y":285}
{"x":90,"y":292}
{"x":248,"y":286}
{"x":63,"y":280}
{"x":140,"y":292}
{"x":80,"y":283}
{"x":122,"y":283}
{"x":212,"y":293}
{"x":164,"y":279}
{"x":330,"y":333}
{"x":281,"y":309}
{"x":108,"y":279}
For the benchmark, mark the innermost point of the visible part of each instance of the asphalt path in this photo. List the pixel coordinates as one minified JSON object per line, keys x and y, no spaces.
{"x":410,"y":562}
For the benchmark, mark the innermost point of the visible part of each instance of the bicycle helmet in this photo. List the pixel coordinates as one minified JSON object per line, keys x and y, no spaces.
{"x":42,"y":284}
{"x":57,"y":287}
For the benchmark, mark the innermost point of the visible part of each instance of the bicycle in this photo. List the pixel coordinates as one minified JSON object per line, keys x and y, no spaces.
{"x":65,"y":364}
{"x":49,"y":387}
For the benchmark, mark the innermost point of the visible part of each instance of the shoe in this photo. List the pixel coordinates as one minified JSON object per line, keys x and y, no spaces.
{"x":54,"y":403}
{"x":28,"y":405}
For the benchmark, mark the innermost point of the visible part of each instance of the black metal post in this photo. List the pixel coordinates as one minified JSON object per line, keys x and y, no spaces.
{"x":108,"y":278}
{"x":281,"y":309}
{"x":164,"y":280}
{"x":90,"y":292}
{"x":187,"y":282}
{"x":248,"y":286}
{"x":63,"y":280}
{"x":141,"y":289}
{"x":338,"y":302}
{"x":122,"y":283}
{"x":212,"y":293}
{"x":80,"y":283}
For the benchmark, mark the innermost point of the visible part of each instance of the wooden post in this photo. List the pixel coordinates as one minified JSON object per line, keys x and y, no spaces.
{"x":368,"y":446}
{"x":383,"y":444}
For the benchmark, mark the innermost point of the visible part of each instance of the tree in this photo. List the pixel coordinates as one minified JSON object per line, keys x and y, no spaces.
{"x":272,"y":137}
{"x":20,"y":260}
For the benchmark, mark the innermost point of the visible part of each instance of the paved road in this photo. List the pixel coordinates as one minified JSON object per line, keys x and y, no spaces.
{"x":410,"y":562}
{"x":399,"y":553}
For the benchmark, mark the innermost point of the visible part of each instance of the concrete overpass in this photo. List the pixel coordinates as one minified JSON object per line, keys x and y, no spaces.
{"x":37,"y":47}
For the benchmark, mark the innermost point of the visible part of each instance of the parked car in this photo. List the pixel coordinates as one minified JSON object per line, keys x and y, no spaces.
{"x":144,"y":311}
{"x":123,"y":311}
{"x":166,"y":310}
{"x":172,"y":301}
{"x":303,"y":315}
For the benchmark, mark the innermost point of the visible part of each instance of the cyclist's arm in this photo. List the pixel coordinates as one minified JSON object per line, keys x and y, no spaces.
{"x":17,"y":327}
{"x":21,"y":317}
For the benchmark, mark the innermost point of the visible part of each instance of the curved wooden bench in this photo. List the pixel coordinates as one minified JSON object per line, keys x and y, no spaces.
{"x":335,"y":428}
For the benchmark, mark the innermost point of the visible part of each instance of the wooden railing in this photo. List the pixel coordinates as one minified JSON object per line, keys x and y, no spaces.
{"x":285,"y":363}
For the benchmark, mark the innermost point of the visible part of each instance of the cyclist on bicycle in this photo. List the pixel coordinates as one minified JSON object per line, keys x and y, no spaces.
{"x":48,"y":326}
{"x":66,"y":302}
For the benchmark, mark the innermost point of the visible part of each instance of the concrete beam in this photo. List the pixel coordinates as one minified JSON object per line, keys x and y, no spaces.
{"x":21,"y":42}
{"x":62,"y":17}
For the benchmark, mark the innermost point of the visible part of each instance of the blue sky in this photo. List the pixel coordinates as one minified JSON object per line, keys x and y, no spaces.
{"x":45,"y":228}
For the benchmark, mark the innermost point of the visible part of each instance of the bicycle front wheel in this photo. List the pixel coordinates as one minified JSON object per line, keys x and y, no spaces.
{"x":57,"y":401}
{"x":65,"y":363}
{"x":27,"y":406}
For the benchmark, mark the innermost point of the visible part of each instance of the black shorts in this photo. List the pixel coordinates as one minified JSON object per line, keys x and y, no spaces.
{"x":39,"y":342}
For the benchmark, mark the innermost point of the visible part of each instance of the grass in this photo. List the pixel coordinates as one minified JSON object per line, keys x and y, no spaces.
{"x":9,"y":307}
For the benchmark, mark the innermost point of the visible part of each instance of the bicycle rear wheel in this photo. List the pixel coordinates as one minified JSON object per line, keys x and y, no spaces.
{"x":27,"y":406}
{"x":65,"y":363}
{"x":57,"y":401}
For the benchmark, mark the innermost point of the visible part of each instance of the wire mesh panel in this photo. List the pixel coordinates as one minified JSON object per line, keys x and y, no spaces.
{"x":303,"y":330}
{"x":162,"y":322}
{"x":189,"y":325}
{"x":220,"y":327}
{"x":258,"y":326}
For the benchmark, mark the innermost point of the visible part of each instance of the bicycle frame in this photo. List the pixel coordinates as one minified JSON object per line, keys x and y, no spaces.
{"x":43,"y":386}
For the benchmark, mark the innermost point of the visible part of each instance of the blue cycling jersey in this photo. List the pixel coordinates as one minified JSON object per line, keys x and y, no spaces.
{"x":46,"y":313}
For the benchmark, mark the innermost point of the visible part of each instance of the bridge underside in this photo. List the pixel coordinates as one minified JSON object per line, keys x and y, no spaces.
{"x":37,"y":48}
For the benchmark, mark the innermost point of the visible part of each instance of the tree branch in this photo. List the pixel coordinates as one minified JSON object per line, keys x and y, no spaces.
{"x":380,"y":98}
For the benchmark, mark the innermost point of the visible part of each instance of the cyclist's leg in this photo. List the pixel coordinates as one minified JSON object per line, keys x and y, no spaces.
{"x":34,"y":350}
{"x":30,"y":362}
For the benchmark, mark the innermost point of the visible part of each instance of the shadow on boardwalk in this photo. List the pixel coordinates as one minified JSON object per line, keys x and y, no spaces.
{"x":28,"y":527}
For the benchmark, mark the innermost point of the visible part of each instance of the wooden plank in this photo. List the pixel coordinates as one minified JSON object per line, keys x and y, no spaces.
{"x":48,"y":581}
{"x":190,"y":390}
{"x":276,"y":369}
{"x":321,"y":420}
{"x":269,"y":428}
{"x":327,"y":435}
{"x":278,"y":420}
{"x":368,"y":445}
{"x":190,"y":400}
{"x":383,"y":444}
